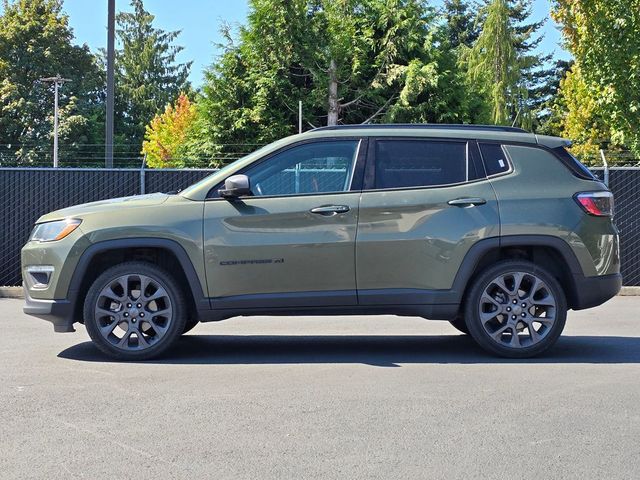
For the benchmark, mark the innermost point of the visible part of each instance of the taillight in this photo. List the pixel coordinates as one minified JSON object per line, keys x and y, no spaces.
{"x":599,"y":204}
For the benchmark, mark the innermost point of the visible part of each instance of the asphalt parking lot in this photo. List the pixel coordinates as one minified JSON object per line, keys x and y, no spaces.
{"x":300,"y":398}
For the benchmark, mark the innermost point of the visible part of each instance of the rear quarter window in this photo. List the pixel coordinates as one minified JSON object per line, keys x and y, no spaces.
{"x":494,"y":158}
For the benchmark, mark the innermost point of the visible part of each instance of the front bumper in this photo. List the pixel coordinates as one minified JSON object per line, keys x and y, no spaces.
{"x":594,"y":291}
{"x":58,"y":312}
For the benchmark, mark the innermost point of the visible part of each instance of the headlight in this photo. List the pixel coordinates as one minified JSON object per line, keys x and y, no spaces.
{"x":50,"y":231}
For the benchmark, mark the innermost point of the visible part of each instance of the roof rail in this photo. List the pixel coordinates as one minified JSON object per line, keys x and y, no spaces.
{"x":446,"y":126}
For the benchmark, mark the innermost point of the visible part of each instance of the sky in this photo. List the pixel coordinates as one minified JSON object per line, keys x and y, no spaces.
{"x":200,"y":21}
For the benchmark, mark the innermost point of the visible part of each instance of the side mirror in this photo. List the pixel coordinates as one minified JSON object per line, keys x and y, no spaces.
{"x":235,"y":186}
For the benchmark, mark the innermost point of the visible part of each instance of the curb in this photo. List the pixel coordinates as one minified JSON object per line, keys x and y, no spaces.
{"x":11,"y":292}
{"x":629,"y":291}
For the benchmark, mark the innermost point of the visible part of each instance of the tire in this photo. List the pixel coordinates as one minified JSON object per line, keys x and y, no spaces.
{"x":127,"y":321}
{"x":460,"y":324}
{"x":515,"y":309}
{"x":189,"y":325}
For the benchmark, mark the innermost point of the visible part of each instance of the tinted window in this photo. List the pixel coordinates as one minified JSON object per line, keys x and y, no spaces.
{"x":573,"y":163}
{"x":310,"y":168}
{"x":418,"y":163}
{"x":495,"y":160}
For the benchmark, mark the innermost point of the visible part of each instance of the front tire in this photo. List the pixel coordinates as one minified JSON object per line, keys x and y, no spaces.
{"x":515,"y":309}
{"x":460,"y":324}
{"x":134,"y":311}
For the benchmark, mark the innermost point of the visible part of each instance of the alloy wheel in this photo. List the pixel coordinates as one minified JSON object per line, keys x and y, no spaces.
{"x":517,"y":310}
{"x":133,"y":312}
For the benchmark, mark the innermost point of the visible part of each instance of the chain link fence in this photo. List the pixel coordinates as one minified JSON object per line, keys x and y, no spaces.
{"x":28,"y":193}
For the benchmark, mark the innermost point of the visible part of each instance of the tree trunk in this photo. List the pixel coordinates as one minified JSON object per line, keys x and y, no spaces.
{"x":334,"y":107}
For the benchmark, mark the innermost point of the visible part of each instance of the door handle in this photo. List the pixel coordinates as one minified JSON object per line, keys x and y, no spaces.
{"x":330,"y":210}
{"x":467,"y":202}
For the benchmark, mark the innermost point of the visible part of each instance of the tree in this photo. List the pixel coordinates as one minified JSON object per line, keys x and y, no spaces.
{"x":147,"y":76}
{"x":604,"y":38}
{"x":461,"y":25}
{"x":348,"y":61}
{"x":35,"y":42}
{"x":493,"y":61}
{"x":513,"y":78}
{"x":166,"y":135}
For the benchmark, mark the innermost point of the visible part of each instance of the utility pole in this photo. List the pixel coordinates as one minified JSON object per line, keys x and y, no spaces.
{"x":57,"y":81}
{"x":111,"y":22}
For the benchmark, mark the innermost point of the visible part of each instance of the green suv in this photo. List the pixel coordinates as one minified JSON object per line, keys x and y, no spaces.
{"x":494,"y":229}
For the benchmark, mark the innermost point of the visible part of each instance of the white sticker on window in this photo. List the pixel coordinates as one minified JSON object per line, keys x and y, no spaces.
{"x":501,"y":163}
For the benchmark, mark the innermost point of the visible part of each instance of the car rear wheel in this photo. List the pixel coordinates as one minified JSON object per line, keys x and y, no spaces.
{"x":134,"y":311}
{"x":189,"y":325}
{"x":516,"y":309}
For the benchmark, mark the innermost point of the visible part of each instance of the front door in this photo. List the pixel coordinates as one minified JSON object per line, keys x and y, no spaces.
{"x":292,"y":242}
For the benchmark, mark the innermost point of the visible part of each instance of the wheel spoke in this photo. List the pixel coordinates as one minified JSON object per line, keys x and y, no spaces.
{"x":489,"y":299}
{"x":517,"y":282}
{"x":103,"y":312}
{"x":488,"y":316}
{"x":109,"y":328}
{"x":498,"y":333}
{"x":533,"y":334}
{"x":547,"y":301}
{"x":515,"y":339}
{"x":142,"y":342}
{"x":500,"y":283}
{"x":160,"y":330}
{"x":124,"y":341}
{"x":158,"y":294}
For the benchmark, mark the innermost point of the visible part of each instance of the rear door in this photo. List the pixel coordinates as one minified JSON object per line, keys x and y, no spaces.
{"x":425,"y":203}
{"x":292,"y":242}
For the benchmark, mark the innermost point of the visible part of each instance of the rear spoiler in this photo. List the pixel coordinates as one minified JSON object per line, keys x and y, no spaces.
{"x":552,"y":142}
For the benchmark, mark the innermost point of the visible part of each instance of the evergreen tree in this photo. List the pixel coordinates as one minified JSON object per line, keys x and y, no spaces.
{"x":461,"y":26}
{"x":493,"y":61}
{"x":36,"y":41}
{"x":147,"y":75}
{"x":503,"y":60}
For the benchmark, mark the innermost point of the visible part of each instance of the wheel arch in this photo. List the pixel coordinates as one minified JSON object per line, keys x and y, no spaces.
{"x":166,"y":253}
{"x":552,"y":253}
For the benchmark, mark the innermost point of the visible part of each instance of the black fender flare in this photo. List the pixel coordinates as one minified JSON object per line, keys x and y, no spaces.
{"x":483,"y":247}
{"x":196,"y":288}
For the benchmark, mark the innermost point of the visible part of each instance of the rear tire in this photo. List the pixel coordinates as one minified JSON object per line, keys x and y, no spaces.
{"x":134,"y":311}
{"x":515,"y":309}
{"x":190,"y":325}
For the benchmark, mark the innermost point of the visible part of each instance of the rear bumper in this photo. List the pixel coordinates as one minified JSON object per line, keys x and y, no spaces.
{"x":58,"y":312}
{"x":594,"y":291}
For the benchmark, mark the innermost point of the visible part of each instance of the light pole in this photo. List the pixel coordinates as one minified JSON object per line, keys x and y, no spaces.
{"x":57,"y":81}
{"x":111,"y":19}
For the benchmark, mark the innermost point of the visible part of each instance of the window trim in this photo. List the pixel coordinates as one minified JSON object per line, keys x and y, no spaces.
{"x":506,"y":156}
{"x":370,"y":169}
{"x":357,"y":170}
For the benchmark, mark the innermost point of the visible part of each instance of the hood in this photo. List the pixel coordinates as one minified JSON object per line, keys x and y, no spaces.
{"x":79,"y":211}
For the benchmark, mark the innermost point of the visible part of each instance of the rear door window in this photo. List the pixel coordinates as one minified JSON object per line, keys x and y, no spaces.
{"x":421,"y":163}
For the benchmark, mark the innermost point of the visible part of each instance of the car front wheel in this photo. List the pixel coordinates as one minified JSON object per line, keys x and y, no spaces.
{"x":134,"y":311}
{"x":516,"y":309}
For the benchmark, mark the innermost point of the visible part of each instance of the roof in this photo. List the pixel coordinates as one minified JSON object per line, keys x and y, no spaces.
{"x":434,"y":130}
